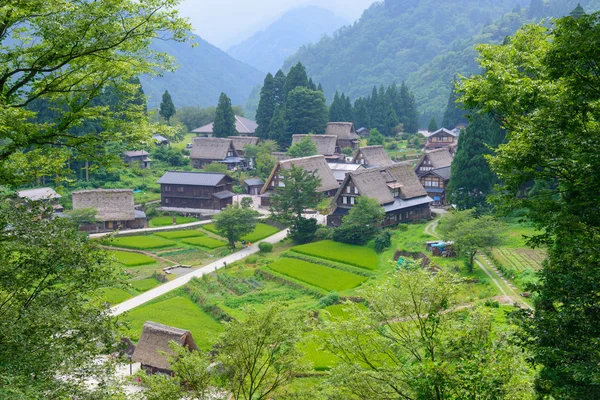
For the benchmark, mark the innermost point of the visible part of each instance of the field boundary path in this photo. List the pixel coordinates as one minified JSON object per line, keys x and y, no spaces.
{"x":157,"y":229}
{"x":179,"y":282}
{"x":506,"y":288}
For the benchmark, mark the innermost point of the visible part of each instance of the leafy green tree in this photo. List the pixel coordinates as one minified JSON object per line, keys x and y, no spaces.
{"x":266,"y":107}
{"x":215,"y":167}
{"x":234,"y":222}
{"x":304,"y":148}
{"x":263,"y":160}
{"x":53,"y":327}
{"x":471,"y":178}
{"x":305,"y":111}
{"x":167,"y":108}
{"x":193,"y":117}
{"x":361,"y":223}
{"x":295,"y":78}
{"x":69,"y":70}
{"x":433,"y":126}
{"x":277,"y":128}
{"x":258,"y":354}
{"x":224,"y":124}
{"x":411,"y":343}
{"x":304,"y":230}
{"x":471,"y":235}
{"x":299,"y":194}
{"x":542,"y":85}
{"x":83,"y":216}
{"x":375,"y":138}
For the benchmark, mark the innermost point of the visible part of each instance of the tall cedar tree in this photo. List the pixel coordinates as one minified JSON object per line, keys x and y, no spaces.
{"x":335,"y":110}
{"x":296,"y":77}
{"x":361,"y":114}
{"x":454,"y":113}
{"x":433,"y":126}
{"x":266,"y":107}
{"x":543,"y":85}
{"x":471,"y":178}
{"x":305,"y":112}
{"x":167,"y":108}
{"x":277,"y":131}
{"x":347,"y":111}
{"x":224,"y":124}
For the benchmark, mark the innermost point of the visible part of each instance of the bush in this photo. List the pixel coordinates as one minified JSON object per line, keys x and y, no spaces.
{"x":383,"y":240}
{"x":330,"y":299}
{"x":265,"y":247}
{"x":324,"y":233}
{"x":348,"y":234}
{"x":303,"y":231}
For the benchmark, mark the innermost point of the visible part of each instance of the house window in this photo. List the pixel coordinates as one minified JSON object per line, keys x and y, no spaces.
{"x":196,"y":192}
{"x":352,"y":200}
{"x":395,"y":192}
{"x":348,"y":189}
{"x":180,"y":189}
{"x":355,"y":190}
{"x":431,"y":182}
{"x":166,"y":201}
{"x":167,"y":188}
{"x":272,"y":183}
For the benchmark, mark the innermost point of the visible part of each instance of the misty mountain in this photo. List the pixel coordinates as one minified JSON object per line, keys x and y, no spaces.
{"x":266,"y":50}
{"x":204,"y":72}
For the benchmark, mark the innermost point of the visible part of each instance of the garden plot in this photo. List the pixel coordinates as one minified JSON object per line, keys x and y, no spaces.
{"x":140,"y":242}
{"x":130,"y":259}
{"x":205,"y":241}
{"x":317,"y":275}
{"x":358,"y":256}
{"x":179,"y":234}
{"x":166,"y":221}
{"x":260,"y":232}
{"x":520,"y":259}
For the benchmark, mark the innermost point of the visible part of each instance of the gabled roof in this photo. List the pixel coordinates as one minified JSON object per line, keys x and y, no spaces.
{"x":375,"y":183}
{"x":155,"y":339}
{"x":444,"y":131}
{"x":326,"y":144}
{"x":314,"y":164}
{"x":204,"y":148}
{"x":343,"y":130}
{"x":39,"y":194}
{"x":159,"y":138}
{"x":110,"y":204}
{"x":443,"y":173}
{"x":254,"y":182}
{"x":439,"y":158}
{"x":243,"y":126}
{"x":374,"y":156}
{"x":239,"y":142}
{"x":193,"y":178}
{"x":341,"y":170}
{"x":135,"y":153}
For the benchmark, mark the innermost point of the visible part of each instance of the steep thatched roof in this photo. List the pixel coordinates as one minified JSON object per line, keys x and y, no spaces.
{"x":194,"y":178}
{"x":316,"y":164}
{"x":326,"y":144}
{"x":374,"y":156}
{"x":210,"y":148}
{"x":243,"y":126}
{"x":343,"y":130}
{"x":239,"y":142}
{"x":377,"y":182}
{"x":444,"y":131}
{"x":110,"y":204}
{"x":39,"y":194}
{"x":155,"y":339}
{"x":439,"y":158}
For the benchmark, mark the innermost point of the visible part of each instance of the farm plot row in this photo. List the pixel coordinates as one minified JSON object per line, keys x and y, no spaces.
{"x":165,"y":240}
{"x":520,"y":259}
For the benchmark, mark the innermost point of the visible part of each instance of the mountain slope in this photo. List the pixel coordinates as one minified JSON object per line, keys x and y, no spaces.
{"x":204,"y":72}
{"x":267,"y":49}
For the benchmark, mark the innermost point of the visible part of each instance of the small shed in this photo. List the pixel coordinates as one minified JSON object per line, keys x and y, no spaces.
{"x":160,"y":140}
{"x":253,"y":186}
{"x":152,"y":349}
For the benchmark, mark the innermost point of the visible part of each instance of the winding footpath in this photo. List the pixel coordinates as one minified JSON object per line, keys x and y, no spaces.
{"x":507,"y":289}
{"x":179,"y":282}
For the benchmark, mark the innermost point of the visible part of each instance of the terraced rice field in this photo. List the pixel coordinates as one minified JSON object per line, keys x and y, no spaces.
{"x":165,"y":221}
{"x":130,"y":259}
{"x":358,"y":256}
{"x":204,"y":241}
{"x":179,"y":234}
{"x":326,"y":278}
{"x":260,"y":232}
{"x":140,"y":242}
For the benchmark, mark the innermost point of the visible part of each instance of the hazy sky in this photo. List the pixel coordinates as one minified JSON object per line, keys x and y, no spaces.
{"x":227,"y":22}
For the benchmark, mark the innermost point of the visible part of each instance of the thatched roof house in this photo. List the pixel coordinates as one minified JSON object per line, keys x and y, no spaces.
{"x":243,"y":126}
{"x":434,"y":159}
{"x":207,"y":150}
{"x":154,"y":341}
{"x":38,"y":194}
{"x":340,"y":170}
{"x":327,"y":145}
{"x":442,"y":138}
{"x":345,"y":133}
{"x":114,"y":208}
{"x":313,"y":164}
{"x":239,"y":142}
{"x":433,"y":170}
{"x":372,"y":156}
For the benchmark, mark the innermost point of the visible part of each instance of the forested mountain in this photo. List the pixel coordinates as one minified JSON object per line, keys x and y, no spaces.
{"x":267,"y":49}
{"x":204,"y":72}
{"x":425,"y":43}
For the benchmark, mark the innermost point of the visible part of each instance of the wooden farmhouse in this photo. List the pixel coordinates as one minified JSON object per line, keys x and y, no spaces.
{"x":345,"y":133}
{"x":243,"y":126}
{"x":433,"y":170}
{"x":208,"y":150}
{"x":363,"y":132}
{"x":152,"y":349}
{"x":195,"y":192}
{"x":114,"y":209}
{"x":240,"y":142}
{"x":327,"y":145}
{"x":253,"y":186}
{"x":314,"y":164}
{"x":372,"y":156}
{"x":139,"y":157}
{"x":441,"y":138}
{"x":46,"y":195}
{"x":395,"y":187}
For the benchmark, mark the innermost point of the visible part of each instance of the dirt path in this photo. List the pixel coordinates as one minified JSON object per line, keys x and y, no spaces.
{"x":166,"y":260}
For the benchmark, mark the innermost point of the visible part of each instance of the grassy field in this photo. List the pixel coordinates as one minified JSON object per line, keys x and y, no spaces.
{"x":260,"y":232}
{"x":130,"y":259}
{"x":142,"y":285}
{"x":141,"y":242}
{"x":114,"y":295}
{"x":204,"y":241}
{"x":179,"y":234}
{"x":358,"y":256}
{"x":188,"y":138}
{"x":317,"y":275}
{"x":179,"y":312}
{"x":157,"y":222}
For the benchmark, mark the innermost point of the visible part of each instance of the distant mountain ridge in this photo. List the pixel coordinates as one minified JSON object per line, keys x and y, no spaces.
{"x":204,"y":72}
{"x":267,"y":49}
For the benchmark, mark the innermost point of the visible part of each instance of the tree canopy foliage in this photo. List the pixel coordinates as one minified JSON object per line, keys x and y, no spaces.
{"x":234,"y":222}
{"x":224,"y":123}
{"x":304,"y":148}
{"x":167,"y":108}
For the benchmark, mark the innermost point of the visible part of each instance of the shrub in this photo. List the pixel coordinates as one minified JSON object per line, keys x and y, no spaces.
{"x":347,"y":234}
{"x":329,"y":300}
{"x":383,"y":240}
{"x":303,"y":231}
{"x":324,"y":233}
{"x":492,"y":303}
{"x":265,"y":247}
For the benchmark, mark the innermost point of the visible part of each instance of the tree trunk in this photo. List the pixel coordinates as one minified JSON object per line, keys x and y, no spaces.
{"x":471,"y":266}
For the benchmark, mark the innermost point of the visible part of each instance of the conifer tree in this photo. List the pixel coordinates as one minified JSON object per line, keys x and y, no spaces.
{"x":361,"y":114}
{"x":167,"y":108}
{"x":311,"y":85}
{"x":390,"y":118}
{"x":433,"y":126}
{"x":277,"y":131}
{"x":224,"y":124}
{"x":410,"y":118}
{"x":320,"y":88}
{"x":278,"y":83}
{"x":577,"y":12}
{"x":296,"y":77}
{"x":335,"y":110}
{"x":454,"y":114}
{"x":347,"y":111}
{"x":305,"y":112}
{"x":266,"y":107}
